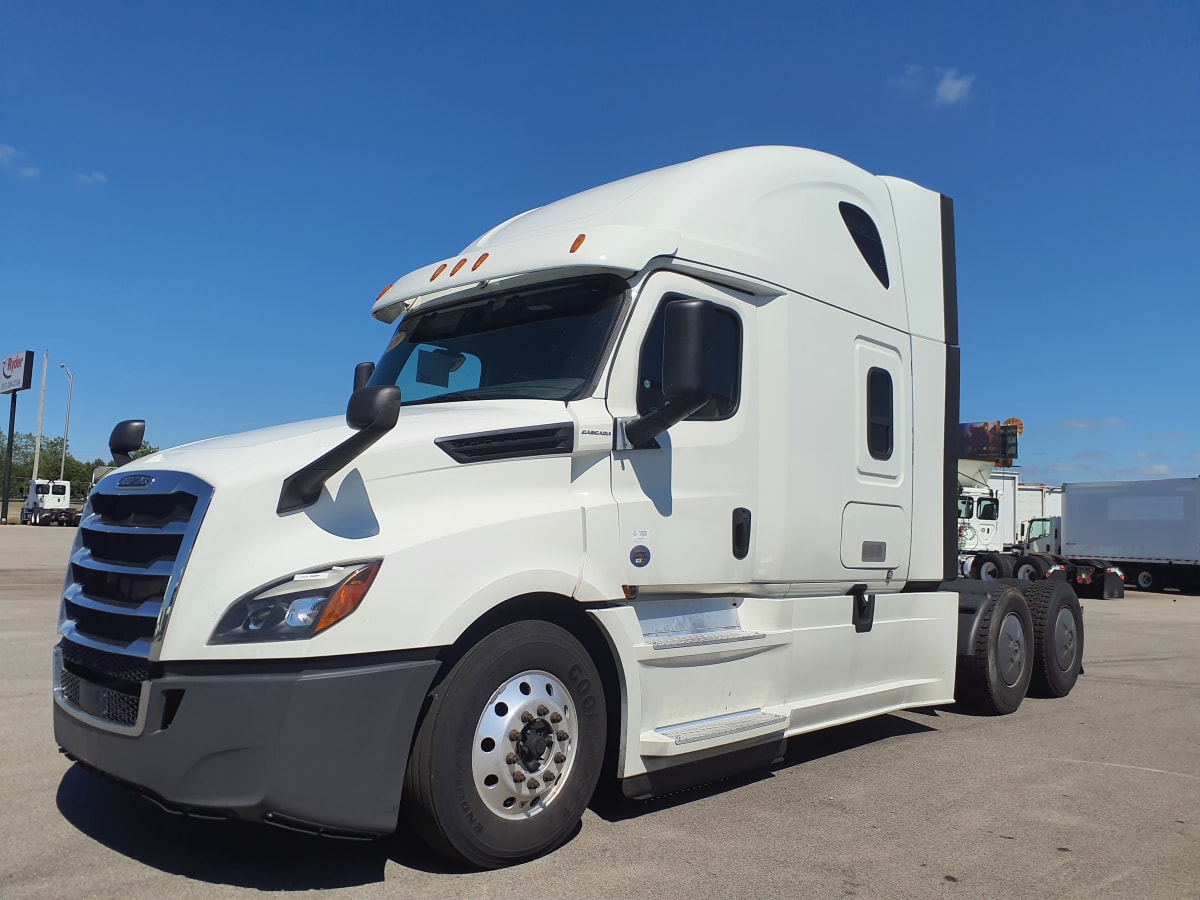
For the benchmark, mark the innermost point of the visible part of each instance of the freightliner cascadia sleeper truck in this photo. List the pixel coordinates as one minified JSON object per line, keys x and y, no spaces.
{"x":645,"y":482}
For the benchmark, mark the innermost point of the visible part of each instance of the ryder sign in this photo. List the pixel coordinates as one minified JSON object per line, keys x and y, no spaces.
{"x":16,"y":372}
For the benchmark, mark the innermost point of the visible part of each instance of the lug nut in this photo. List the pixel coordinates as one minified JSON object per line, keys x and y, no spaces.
{"x":514,"y":735}
{"x":533,"y":784}
{"x":547,"y":777}
{"x":527,"y":717}
{"x":511,"y":759}
{"x":543,"y":710}
{"x":556,"y":718}
{"x":563,"y":736}
{"x":518,"y":776}
{"x":560,"y":757}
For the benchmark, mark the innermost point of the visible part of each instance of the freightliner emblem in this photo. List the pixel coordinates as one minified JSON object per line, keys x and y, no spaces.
{"x":135,"y":481}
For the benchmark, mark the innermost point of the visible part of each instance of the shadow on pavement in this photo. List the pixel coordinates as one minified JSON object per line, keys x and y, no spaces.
{"x":612,"y":806}
{"x":234,"y":853}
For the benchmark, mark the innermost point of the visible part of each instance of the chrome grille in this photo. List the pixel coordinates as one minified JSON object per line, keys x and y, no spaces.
{"x":129,"y":556}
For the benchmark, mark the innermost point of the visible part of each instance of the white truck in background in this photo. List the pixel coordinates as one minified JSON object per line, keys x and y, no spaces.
{"x":1150,"y":530}
{"x":49,"y":503}
{"x":644,"y":483}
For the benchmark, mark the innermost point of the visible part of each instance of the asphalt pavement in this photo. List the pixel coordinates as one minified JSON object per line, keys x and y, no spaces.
{"x":1094,"y":795}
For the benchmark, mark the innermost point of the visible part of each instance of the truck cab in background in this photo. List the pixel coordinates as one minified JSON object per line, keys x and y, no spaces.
{"x":49,"y":503}
{"x":644,"y":483}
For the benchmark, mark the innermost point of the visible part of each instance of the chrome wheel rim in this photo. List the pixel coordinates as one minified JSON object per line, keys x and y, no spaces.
{"x":525,"y":745}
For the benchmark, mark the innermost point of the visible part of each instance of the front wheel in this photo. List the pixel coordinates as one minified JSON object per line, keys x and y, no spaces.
{"x":508,"y":754}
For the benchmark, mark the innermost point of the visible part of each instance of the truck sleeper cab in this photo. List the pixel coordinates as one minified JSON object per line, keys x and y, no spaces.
{"x":646,"y":481}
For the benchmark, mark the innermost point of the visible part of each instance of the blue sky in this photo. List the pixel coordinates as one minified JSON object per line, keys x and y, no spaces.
{"x":199,"y":201}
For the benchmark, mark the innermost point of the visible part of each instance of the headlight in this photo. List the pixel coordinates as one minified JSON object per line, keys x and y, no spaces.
{"x":297,"y":607}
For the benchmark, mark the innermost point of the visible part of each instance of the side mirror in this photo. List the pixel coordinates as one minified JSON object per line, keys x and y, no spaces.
{"x":372,"y":412}
{"x":688,"y":332}
{"x":126,"y":439}
{"x":362,"y":374}
{"x":374,"y":408}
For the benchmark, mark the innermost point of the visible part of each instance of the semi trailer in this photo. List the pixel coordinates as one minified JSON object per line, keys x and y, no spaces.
{"x":644,"y":483}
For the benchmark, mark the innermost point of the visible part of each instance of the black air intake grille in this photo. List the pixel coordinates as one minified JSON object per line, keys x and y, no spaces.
{"x":515,"y":443}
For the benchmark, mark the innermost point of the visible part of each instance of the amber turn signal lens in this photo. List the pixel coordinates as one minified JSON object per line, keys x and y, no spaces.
{"x":578,"y":242}
{"x":347,"y":597}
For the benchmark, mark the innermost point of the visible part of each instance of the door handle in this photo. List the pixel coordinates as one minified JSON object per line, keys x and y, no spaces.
{"x":741,"y":532}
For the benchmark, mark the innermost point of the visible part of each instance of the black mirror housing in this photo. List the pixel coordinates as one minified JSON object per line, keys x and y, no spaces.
{"x":688,"y":334}
{"x":374,"y":408}
{"x":126,"y":439}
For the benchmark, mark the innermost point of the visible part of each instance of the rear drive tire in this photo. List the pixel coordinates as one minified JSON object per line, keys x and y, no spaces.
{"x":1057,"y":638}
{"x":994,"y":677}
{"x":991,"y":567}
{"x":507,"y":757}
{"x":1031,"y":568}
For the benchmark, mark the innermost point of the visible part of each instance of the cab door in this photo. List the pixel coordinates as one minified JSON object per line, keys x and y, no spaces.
{"x":686,"y":508}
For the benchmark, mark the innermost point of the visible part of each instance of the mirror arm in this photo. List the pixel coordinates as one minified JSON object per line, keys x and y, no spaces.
{"x":303,"y":487}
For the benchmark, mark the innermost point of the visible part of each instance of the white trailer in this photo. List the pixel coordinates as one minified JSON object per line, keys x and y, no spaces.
{"x":661,"y":474}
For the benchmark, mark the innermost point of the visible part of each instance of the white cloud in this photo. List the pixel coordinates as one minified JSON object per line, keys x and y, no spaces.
{"x":943,"y":87}
{"x":91,"y":178}
{"x":9,"y":154}
{"x":28,"y":172}
{"x":912,"y":80}
{"x":952,"y":88}
{"x":1091,"y":423}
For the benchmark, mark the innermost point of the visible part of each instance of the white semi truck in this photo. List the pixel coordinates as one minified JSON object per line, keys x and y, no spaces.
{"x":645,"y":482}
{"x":1150,"y":530}
{"x":49,"y":503}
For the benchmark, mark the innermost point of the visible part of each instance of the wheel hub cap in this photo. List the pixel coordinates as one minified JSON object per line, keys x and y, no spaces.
{"x":1011,"y":655}
{"x":525,"y":744}
{"x":1064,"y":639}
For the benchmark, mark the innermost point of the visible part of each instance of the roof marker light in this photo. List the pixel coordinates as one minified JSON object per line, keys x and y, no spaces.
{"x":440,"y":270}
{"x":578,"y":242}
{"x":479,"y":262}
{"x":384,"y":291}
{"x":458,"y":265}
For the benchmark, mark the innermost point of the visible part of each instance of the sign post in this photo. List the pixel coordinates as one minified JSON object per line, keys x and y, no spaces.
{"x":16,"y":374}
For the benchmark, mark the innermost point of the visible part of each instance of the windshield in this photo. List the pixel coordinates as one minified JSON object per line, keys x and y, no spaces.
{"x":543,"y":342}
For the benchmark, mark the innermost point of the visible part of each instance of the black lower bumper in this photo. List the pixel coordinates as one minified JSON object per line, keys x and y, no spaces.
{"x":319,"y":746}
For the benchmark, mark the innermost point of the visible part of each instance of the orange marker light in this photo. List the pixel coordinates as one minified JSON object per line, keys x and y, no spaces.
{"x":347,"y":597}
{"x":384,"y":291}
{"x":458,"y":265}
{"x":440,"y":270}
{"x":479,"y":262}
{"x":578,"y":242}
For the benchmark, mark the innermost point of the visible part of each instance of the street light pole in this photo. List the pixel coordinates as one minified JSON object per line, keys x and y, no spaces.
{"x":67,"y":427}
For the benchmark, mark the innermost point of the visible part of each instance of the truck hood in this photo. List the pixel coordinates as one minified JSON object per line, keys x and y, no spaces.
{"x":274,"y":453}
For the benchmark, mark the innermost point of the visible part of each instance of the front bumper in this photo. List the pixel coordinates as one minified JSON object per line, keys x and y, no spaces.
{"x":316,"y":745}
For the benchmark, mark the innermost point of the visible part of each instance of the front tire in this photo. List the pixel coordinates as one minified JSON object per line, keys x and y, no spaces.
{"x":507,"y":757}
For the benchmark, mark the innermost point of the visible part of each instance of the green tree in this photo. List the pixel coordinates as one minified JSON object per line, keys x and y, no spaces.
{"x":78,"y":472}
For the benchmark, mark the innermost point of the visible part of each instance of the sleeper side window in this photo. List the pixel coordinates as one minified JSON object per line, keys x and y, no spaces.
{"x":880,"y":414}
{"x":725,"y":367}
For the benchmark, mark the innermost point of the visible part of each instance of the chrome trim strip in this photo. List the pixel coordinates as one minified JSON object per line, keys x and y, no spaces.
{"x":93,"y":523}
{"x":147,"y":610}
{"x":159,"y":568}
{"x":138,"y":649}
